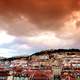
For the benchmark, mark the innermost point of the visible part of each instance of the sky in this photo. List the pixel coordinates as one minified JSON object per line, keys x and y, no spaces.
{"x":29,"y":26}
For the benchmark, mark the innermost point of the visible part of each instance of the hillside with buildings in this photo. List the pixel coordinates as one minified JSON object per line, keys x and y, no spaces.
{"x":47,"y":54}
{"x":51,"y":62}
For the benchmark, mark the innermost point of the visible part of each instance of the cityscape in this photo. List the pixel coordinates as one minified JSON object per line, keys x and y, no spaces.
{"x":39,"y":39}
{"x":59,"y":64}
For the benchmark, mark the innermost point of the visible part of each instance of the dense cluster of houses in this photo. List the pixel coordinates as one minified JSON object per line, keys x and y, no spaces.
{"x":42,"y":64}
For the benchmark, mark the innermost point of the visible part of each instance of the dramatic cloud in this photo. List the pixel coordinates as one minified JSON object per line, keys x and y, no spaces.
{"x":39,"y":24}
{"x":43,"y":14}
{"x":50,"y":40}
{"x":71,"y":27}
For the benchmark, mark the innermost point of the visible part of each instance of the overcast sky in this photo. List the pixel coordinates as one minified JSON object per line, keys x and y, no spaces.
{"x":28,"y":26}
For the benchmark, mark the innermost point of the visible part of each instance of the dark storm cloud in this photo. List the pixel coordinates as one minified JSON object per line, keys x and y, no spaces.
{"x":46,"y":14}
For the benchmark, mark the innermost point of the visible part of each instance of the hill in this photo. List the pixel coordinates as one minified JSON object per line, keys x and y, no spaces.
{"x":48,"y":52}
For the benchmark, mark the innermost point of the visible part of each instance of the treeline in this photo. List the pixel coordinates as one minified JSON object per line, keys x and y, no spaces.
{"x":15,"y":58}
{"x":56,"y":51}
{"x":41,"y":53}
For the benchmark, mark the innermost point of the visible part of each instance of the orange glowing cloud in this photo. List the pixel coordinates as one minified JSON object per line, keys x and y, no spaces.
{"x":30,"y":17}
